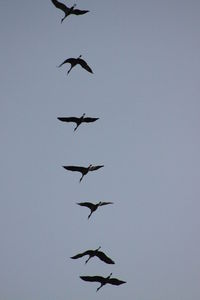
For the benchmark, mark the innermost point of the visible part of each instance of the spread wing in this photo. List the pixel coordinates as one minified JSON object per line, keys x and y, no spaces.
{"x":68,"y":119}
{"x":69,"y":60}
{"x":94,"y":168}
{"x":105,"y":203}
{"x":89,"y":120}
{"x":86,"y":204}
{"x":102,"y":256}
{"x":60,"y":5}
{"x":84,"y":65}
{"x":88,"y":252}
{"x":79,"y":12}
{"x":116,"y":281}
{"x":75,"y":168}
{"x":93,"y":278}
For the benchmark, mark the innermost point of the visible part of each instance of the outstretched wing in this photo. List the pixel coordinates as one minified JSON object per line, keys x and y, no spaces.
{"x":84,"y":65}
{"x":86,"y":204}
{"x":69,"y":60}
{"x":60,"y":5}
{"x":88,"y":252}
{"x":102,"y":256}
{"x":105,"y":203}
{"x":116,"y":281}
{"x":79,"y":12}
{"x":94,"y":168}
{"x":92,"y":278}
{"x":68,"y":119}
{"x":89,"y":120}
{"x":75,"y":168}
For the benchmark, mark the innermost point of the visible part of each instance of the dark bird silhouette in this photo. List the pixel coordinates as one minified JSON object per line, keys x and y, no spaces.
{"x":103,"y":280}
{"x":76,"y":61}
{"x":93,"y":206}
{"x":102,"y":256}
{"x":78,"y":121}
{"x":68,"y":10}
{"x":83,"y":170}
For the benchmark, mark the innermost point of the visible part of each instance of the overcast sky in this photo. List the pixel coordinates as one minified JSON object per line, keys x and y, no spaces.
{"x":145,"y":90}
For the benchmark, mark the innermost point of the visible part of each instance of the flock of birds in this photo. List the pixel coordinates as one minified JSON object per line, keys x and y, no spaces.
{"x":85,"y":170}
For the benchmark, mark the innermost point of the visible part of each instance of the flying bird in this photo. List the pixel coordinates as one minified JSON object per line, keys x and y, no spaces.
{"x":76,"y":61}
{"x":83,"y":170}
{"x":93,"y":206}
{"x":103,"y":280}
{"x":68,"y":10}
{"x":102,"y":256}
{"x":78,"y":121}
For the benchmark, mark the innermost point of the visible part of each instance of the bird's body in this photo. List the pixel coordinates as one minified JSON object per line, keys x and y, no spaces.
{"x":102,"y":280}
{"x":68,"y":10}
{"x":93,"y":207}
{"x":78,"y":121}
{"x":83,"y":170}
{"x":76,"y":61}
{"x":102,"y":256}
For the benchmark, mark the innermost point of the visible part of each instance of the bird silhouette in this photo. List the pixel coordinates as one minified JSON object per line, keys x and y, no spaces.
{"x":102,"y":256}
{"x":68,"y":10}
{"x":83,"y":170}
{"x":93,"y":207}
{"x":102,"y":280}
{"x":78,"y":121}
{"x":76,"y":61}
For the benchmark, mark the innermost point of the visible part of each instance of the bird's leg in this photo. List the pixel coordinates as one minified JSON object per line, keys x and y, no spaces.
{"x":99,"y":287}
{"x":63,"y":18}
{"x":81,"y":178}
{"x":90,"y":214}
{"x":87,"y":260}
{"x":69,"y":70}
{"x":76,"y":126}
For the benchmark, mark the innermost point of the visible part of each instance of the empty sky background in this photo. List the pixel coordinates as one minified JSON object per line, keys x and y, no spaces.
{"x":145,"y":90}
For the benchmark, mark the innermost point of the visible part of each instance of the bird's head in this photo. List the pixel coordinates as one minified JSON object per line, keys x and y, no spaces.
{"x":90,"y":166}
{"x":99,"y":248}
{"x":80,"y":56}
{"x":74,"y":5}
{"x":110,"y":275}
{"x":83,"y":115}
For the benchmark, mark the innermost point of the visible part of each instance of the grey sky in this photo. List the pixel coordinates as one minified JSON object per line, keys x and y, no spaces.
{"x":145,"y":90}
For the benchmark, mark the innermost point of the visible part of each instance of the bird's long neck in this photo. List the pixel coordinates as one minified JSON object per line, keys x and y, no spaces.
{"x":109,"y":276}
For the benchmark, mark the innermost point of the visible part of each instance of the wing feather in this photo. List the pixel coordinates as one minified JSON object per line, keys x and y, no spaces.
{"x":116,"y":281}
{"x":89,"y":120}
{"x":60,"y":5}
{"x":92,"y":278}
{"x":105,"y":203}
{"x":69,"y":60}
{"x":68,"y":119}
{"x":94,"y":168}
{"x":84,"y":65}
{"x":88,"y":252}
{"x":75,"y":168}
{"x":79,"y":12}
{"x":102,"y":256}
{"x":86,"y":204}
